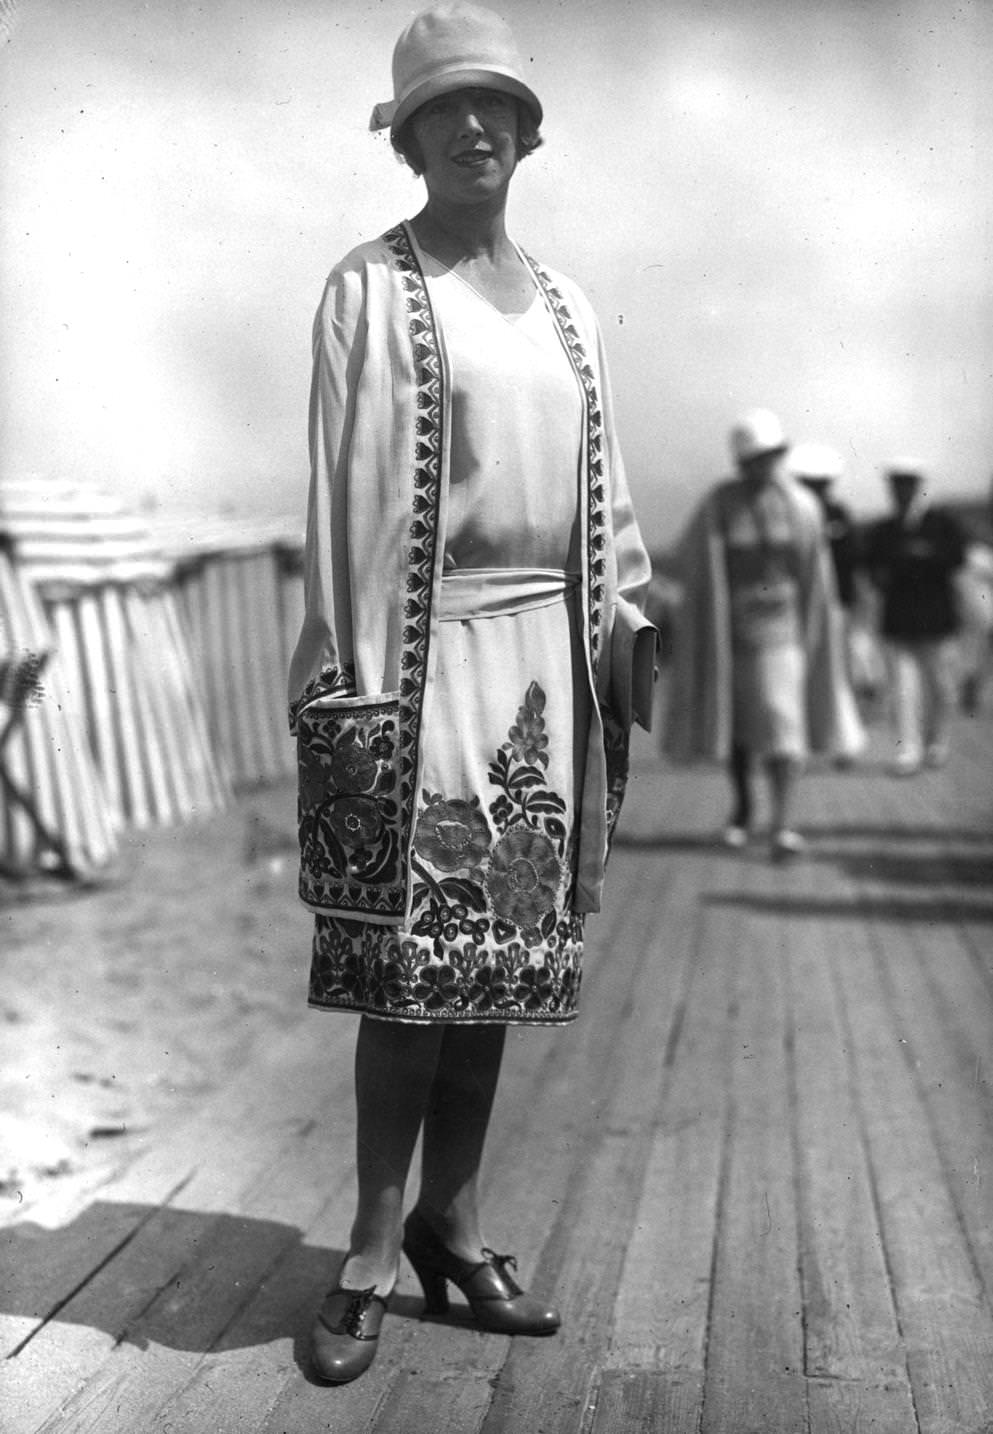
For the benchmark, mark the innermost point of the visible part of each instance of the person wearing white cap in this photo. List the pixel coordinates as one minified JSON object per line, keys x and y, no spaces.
{"x":757,"y":667}
{"x":913,"y":557}
{"x":472,"y":656}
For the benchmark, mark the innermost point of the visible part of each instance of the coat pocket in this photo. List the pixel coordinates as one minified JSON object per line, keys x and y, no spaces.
{"x":634,"y":648}
{"x":348,"y":807}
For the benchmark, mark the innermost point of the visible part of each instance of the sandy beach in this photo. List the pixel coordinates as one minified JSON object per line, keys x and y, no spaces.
{"x":126,"y":1003}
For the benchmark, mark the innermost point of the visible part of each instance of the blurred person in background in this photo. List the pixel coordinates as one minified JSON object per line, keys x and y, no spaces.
{"x":912,"y":557}
{"x":758,"y":670}
{"x":819,"y":467}
{"x":975,"y":590}
{"x":463,"y":684}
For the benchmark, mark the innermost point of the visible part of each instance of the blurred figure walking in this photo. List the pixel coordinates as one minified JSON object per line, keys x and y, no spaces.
{"x":819,"y":467}
{"x":912,"y":558}
{"x":974,"y":586}
{"x":757,"y":671}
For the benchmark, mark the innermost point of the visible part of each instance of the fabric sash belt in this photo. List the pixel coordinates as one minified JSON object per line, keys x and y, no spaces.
{"x":496,"y":592}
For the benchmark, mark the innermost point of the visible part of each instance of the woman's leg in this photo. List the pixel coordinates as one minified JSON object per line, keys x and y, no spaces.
{"x":938,"y":665}
{"x":455,"y":1124}
{"x":905,"y":700}
{"x":740,"y":772}
{"x":395,"y":1066}
{"x":782,"y":787}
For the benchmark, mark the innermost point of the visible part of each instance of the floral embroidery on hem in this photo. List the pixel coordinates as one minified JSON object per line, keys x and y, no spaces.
{"x":492,"y":936}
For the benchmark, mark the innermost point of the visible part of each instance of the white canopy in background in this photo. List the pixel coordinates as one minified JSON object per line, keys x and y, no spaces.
{"x":121,"y":667}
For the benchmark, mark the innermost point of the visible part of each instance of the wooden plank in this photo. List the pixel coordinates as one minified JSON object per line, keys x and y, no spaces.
{"x":640,"y":1401}
{"x":850,"y":1323}
{"x":755,"y":1351}
{"x":840,"y":1406}
{"x":945,"y":1012}
{"x":662,"y":1308}
{"x":454,"y":1394}
{"x":946,"y":1324}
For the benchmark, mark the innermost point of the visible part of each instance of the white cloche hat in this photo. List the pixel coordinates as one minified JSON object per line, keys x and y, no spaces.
{"x":756,"y":432}
{"x":452,"y":47}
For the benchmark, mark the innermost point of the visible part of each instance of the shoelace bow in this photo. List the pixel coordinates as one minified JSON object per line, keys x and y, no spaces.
{"x":357,"y":1309}
{"x":501,"y":1263}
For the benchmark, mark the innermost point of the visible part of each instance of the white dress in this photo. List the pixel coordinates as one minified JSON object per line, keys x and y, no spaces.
{"x":492,"y":936}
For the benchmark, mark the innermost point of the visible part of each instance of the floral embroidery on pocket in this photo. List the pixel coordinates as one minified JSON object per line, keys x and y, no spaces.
{"x":348,"y":810}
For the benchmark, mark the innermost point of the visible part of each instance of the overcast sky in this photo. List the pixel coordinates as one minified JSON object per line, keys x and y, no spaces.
{"x":770,"y":202}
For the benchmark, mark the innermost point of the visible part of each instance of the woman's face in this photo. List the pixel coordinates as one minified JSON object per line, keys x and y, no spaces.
{"x":468,"y":144}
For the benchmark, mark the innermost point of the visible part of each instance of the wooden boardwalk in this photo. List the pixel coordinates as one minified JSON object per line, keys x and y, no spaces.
{"x":756,"y":1176}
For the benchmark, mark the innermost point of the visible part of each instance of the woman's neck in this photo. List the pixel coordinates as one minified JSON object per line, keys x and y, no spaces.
{"x":454,"y":233}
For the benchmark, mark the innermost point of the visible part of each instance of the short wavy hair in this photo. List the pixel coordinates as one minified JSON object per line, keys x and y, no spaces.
{"x":408,"y":151}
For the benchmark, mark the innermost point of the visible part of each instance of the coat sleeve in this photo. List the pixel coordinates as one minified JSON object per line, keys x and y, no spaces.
{"x":634,"y":640}
{"x":323,"y":654}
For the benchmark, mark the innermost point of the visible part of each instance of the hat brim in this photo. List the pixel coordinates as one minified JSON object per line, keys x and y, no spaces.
{"x":764,"y":451}
{"x":392,"y":114}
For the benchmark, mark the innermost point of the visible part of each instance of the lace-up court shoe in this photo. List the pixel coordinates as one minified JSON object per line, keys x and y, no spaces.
{"x":345,"y":1336}
{"x":496,"y":1300}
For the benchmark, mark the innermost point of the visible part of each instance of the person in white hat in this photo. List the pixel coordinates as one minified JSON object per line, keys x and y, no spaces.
{"x":757,"y":667}
{"x":471,"y":658}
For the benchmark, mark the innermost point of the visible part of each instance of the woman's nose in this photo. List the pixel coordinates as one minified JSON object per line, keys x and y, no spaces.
{"x":469,"y":121}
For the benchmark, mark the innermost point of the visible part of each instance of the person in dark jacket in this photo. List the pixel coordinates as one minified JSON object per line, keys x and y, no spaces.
{"x":911,"y":558}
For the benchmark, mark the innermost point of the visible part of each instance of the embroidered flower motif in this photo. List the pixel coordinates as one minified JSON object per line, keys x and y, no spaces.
{"x":353,"y":769}
{"x":489,"y":989}
{"x":501,"y":811}
{"x":386,"y":984}
{"x":452,"y":835}
{"x":437,"y":987}
{"x":355,"y":821}
{"x":524,"y":876}
{"x":382,"y":749}
{"x":527,"y":736}
{"x":476,"y":927}
{"x":535,"y":989}
{"x":313,"y":779}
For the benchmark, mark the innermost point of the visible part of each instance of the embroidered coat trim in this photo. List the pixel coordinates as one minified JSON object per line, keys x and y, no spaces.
{"x":358,"y":744}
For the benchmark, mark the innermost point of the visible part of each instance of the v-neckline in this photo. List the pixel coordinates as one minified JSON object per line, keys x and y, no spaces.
{"x":512,"y":317}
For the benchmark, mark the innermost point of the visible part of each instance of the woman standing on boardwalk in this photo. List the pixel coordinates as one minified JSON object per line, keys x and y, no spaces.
{"x":462,"y":687}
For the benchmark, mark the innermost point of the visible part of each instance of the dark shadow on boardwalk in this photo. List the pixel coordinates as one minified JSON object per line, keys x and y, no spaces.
{"x":892,"y":836}
{"x":923,"y":909}
{"x":183,"y":1279}
{"x":908,"y":858}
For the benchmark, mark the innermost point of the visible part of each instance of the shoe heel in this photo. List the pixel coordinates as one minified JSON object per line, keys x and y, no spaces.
{"x":434,"y":1285}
